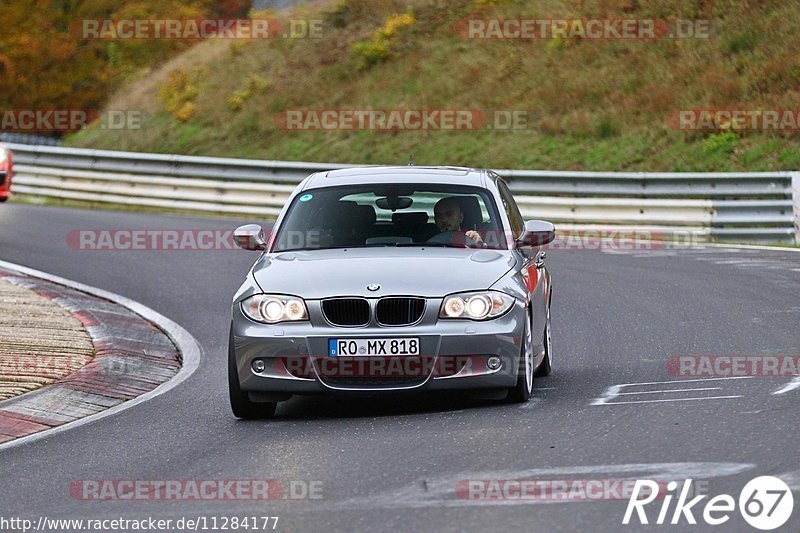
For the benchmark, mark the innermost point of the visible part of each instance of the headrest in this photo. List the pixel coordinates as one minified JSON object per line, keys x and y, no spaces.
{"x":366,"y":215}
{"x":413,"y":219}
{"x":473,"y":216}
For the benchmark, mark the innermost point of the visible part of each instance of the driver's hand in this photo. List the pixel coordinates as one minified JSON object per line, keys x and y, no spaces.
{"x":475,"y":236}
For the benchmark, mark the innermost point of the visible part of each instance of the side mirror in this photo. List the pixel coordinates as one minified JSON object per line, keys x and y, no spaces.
{"x":250,"y":237}
{"x":537,"y":233}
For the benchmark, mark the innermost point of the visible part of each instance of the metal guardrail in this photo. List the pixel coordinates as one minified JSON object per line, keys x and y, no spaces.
{"x":754,"y":206}
{"x":28,"y":138}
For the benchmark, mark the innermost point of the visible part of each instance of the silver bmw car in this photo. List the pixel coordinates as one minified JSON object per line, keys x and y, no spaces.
{"x":392,"y":279}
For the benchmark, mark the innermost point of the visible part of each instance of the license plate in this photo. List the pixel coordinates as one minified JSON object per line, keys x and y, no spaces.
{"x":373,"y":347}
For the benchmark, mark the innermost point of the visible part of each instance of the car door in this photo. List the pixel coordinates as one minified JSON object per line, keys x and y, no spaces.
{"x":532,"y":271}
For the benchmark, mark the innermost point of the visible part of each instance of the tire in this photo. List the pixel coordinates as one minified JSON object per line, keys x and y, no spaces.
{"x":241,"y":405}
{"x":547,"y":364}
{"x":523,"y":390}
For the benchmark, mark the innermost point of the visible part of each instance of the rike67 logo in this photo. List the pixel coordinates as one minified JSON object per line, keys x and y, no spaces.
{"x":765,"y":503}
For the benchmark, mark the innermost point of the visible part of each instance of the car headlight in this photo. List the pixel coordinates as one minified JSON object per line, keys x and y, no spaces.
{"x":271,"y":308}
{"x":3,"y":155}
{"x":478,"y":305}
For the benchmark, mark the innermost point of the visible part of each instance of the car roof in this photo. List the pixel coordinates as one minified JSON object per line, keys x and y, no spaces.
{"x":404,"y":174}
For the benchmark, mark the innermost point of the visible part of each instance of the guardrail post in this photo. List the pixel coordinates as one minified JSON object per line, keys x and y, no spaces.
{"x":796,"y":202}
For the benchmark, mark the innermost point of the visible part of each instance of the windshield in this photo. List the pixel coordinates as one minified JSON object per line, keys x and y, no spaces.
{"x":391,"y":215}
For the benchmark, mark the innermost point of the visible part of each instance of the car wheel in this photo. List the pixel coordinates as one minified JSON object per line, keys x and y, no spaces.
{"x":547,"y":363}
{"x":523,"y":390}
{"x":241,"y":405}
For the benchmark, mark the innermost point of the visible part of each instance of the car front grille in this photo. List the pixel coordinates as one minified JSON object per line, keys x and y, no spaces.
{"x":399,"y":311}
{"x":346,"y":311}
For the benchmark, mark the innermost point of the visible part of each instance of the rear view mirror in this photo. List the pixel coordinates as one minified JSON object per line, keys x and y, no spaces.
{"x":394,"y":203}
{"x":537,"y":233}
{"x":250,"y":237}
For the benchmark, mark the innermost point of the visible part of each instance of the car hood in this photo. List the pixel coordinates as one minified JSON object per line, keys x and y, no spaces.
{"x":429,"y":272}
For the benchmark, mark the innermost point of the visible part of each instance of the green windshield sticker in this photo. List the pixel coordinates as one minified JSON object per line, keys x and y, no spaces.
{"x":306,"y":197}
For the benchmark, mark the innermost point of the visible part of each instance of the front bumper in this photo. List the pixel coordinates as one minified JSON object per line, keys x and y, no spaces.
{"x":453,"y":354}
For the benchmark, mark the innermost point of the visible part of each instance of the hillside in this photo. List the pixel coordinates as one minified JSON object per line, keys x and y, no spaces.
{"x":588,"y":103}
{"x":50,"y":61}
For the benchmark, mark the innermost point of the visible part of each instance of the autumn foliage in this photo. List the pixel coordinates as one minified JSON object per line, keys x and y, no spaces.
{"x":45,"y":64}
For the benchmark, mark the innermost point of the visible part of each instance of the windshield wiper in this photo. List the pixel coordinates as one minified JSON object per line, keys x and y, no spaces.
{"x":379,"y":245}
{"x":282,"y":250}
{"x":432,"y":244}
{"x":334,"y":247}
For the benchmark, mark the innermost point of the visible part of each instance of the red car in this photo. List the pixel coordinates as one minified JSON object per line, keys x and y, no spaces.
{"x":6,"y":172}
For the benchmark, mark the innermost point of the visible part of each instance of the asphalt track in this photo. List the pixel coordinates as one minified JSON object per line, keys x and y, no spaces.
{"x":618,"y":316}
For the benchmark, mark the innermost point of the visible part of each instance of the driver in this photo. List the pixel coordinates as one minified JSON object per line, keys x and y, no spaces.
{"x":448,"y":217}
